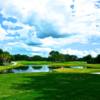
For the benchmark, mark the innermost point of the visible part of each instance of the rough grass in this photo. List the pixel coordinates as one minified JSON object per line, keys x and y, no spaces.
{"x":49,"y":86}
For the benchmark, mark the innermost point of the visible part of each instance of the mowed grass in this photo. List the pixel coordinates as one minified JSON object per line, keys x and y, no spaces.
{"x":49,"y":86}
{"x":51,"y":63}
{"x":70,"y":63}
{"x":61,"y":84}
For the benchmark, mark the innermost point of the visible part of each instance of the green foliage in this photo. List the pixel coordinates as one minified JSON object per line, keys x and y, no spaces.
{"x":36,"y":58}
{"x":20,"y":57}
{"x":97,"y":59}
{"x":54,"y":56}
{"x":5,"y":57}
{"x":70,"y":57}
{"x":59,"y":57}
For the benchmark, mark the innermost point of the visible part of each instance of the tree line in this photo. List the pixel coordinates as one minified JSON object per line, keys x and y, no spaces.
{"x":54,"y":56}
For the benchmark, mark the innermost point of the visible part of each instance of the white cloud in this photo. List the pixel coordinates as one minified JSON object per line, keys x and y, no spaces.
{"x":60,"y":43}
{"x":79,"y":23}
{"x":84,"y":21}
{"x":80,"y":53}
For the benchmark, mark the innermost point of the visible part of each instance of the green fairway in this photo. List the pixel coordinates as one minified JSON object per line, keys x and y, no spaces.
{"x":51,"y":63}
{"x":49,"y":86}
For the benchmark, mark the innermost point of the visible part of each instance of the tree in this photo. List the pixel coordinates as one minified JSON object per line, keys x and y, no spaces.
{"x":53,"y":55}
{"x":37,"y":58}
{"x":5,"y":58}
{"x":97,"y":59}
{"x":88,"y":59}
{"x":1,"y":52}
{"x":70,"y":57}
{"x":20,"y":57}
{"x":56,"y":56}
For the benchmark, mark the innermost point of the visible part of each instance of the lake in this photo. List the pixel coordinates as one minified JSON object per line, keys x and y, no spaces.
{"x":37,"y":68}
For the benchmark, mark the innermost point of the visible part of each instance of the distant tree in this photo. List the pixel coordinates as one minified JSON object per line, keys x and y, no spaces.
{"x":56,"y":56}
{"x":97,"y":59}
{"x":37,"y":58}
{"x":70,"y":57}
{"x":1,"y":52}
{"x":53,"y":55}
{"x":20,"y":57}
{"x":61,"y":57}
{"x":87,"y":58}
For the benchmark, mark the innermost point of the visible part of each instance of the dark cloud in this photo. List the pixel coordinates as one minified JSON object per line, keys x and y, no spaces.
{"x":31,"y":43}
{"x":72,"y":6}
{"x":11,"y":19}
{"x":44,"y":28}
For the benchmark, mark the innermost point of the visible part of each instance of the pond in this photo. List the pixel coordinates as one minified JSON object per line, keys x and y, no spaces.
{"x":37,"y":68}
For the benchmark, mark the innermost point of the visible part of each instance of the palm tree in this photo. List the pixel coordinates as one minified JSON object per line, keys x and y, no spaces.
{"x":5,"y":58}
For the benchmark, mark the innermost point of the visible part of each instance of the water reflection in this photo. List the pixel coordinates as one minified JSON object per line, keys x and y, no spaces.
{"x":37,"y":68}
{"x":31,"y":68}
{"x":78,"y":67}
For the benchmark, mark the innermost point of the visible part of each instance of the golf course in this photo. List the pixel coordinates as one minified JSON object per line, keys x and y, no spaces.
{"x":60,"y":84}
{"x":49,"y":49}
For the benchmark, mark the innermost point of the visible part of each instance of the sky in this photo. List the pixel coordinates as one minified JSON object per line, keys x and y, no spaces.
{"x":36,"y":27}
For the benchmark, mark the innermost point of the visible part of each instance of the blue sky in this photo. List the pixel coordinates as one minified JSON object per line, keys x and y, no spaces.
{"x":35,"y":27}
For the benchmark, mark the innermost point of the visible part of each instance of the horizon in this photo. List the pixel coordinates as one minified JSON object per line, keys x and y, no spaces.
{"x":49,"y":54}
{"x":36,"y":27}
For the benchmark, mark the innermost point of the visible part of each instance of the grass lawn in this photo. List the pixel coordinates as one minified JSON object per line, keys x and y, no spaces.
{"x":49,"y":86}
{"x":52,"y":63}
{"x":62,"y":84}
